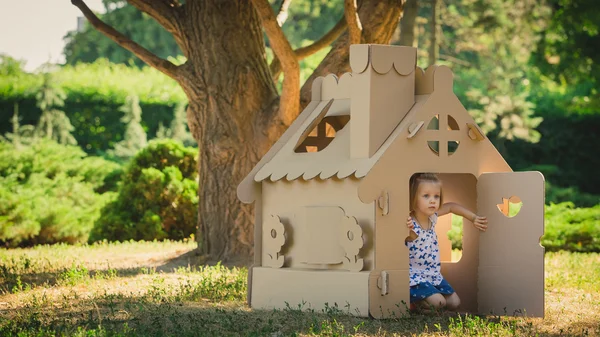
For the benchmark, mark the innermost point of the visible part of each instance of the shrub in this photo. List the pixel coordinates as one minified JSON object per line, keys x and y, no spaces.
{"x":556,"y":195}
{"x":573,"y":229}
{"x":47,"y":193}
{"x":158,"y":197}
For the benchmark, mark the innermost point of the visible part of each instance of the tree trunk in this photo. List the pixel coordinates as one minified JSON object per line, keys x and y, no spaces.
{"x":232,"y":101}
{"x":407,"y":23}
{"x":230,"y":89}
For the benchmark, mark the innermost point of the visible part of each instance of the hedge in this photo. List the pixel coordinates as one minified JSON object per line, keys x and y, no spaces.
{"x":94,"y":94}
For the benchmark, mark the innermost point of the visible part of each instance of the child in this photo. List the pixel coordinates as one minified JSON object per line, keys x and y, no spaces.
{"x":427,"y":286}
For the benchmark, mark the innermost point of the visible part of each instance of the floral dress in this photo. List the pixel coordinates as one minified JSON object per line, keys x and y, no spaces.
{"x":425,"y":267}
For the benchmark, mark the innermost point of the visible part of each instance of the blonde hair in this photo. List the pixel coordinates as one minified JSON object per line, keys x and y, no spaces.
{"x":414,"y":183}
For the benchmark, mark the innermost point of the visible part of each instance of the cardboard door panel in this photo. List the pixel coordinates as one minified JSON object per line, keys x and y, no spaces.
{"x":511,"y":259}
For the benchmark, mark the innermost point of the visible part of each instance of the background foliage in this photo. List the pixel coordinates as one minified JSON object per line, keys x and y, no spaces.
{"x":89,"y":45}
{"x":93,"y":106}
{"x":51,"y":193}
{"x":573,"y":229}
{"x":157,"y":199}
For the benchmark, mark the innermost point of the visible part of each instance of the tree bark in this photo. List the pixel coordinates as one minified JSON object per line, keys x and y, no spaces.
{"x":232,"y":113}
{"x":353,"y":21}
{"x":282,"y":14}
{"x":290,"y":94}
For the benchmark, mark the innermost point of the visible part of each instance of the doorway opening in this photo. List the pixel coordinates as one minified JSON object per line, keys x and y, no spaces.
{"x":460,"y":188}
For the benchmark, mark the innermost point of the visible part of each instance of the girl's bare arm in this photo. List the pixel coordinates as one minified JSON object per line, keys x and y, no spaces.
{"x":479,"y":222}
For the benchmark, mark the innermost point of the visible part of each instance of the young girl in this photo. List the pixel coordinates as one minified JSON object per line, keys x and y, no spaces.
{"x":427,"y":286}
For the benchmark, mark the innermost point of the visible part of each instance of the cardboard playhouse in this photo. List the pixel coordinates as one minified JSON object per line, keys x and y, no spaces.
{"x":331,"y":197}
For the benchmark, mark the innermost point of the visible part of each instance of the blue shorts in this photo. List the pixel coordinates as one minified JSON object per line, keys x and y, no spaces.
{"x":423,"y":290}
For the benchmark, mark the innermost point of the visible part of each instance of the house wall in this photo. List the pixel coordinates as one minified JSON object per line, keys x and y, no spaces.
{"x":289,"y":199}
{"x":309,"y":289}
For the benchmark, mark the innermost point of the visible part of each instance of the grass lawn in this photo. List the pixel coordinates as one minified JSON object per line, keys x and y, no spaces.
{"x":155,"y":289}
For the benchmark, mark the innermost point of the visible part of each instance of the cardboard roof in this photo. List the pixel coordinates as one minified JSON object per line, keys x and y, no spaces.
{"x":332,"y":97}
{"x":334,"y":160}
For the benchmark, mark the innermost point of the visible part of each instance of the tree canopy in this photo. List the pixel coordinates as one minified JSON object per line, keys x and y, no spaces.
{"x":567,"y":49}
{"x":89,"y":44}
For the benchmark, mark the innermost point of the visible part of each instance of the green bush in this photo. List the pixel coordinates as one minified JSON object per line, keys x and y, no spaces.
{"x":573,"y":229}
{"x":48,"y":193}
{"x":556,"y":195}
{"x":157,"y":199}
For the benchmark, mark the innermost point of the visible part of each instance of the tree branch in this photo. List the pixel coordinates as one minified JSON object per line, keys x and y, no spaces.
{"x":163,"y":11}
{"x":324,"y":41}
{"x":168,"y":13}
{"x":353,"y":21}
{"x":304,"y":52}
{"x":145,"y":55}
{"x":290,"y":97}
{"x":283,"y":12}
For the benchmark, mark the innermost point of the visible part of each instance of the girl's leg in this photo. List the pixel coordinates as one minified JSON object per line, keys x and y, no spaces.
{"x":435,"y":301}
{"x":452,"y":301}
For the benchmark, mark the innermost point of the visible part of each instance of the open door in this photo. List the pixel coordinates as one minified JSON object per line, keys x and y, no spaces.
{"x":511,"y":259}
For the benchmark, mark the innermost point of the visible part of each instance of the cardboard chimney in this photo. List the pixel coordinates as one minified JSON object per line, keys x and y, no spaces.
{"x":331,"y":197}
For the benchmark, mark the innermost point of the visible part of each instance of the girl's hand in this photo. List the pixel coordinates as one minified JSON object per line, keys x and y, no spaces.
{"x":409,"y":223}
{"x":412,"y":236}
{"x":480,"y":222}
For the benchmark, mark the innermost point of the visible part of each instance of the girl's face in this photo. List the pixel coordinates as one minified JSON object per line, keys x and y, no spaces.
{"x":428,"y":198}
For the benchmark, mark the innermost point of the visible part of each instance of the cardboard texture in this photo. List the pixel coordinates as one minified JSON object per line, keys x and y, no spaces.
{"x":332,"y":196}
{"x":510,"y":279}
